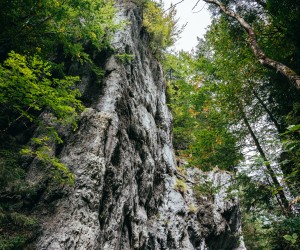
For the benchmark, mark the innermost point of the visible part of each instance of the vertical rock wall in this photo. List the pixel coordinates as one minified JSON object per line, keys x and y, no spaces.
{"x":124,"y":195}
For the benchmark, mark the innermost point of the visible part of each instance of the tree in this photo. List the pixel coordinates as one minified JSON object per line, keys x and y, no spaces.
{"x":201,"y":134}
{"x":56,"y":29}
{"x":282,"y":200}
{"x":258,"y":52}
{"x":26,"y":86}
{"x":256,"y":105}
{"x":244,"y":95}
{"x":160,"y":25}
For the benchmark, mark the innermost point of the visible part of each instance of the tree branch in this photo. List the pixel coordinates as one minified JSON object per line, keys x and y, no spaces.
{"x":174,"y":5}
{"x":195,"y":5}
{"x":292,"y":76}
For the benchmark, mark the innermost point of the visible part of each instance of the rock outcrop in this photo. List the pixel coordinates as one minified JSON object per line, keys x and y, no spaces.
{"x":125,"y":194}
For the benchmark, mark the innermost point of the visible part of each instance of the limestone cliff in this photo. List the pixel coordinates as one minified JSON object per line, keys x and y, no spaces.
{"x":125,"y":194}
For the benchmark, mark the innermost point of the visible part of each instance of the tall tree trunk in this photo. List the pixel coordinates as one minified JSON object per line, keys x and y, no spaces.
{"x":293,"y":77}
{"x":287,"y":168}
{"x":272,"y":118}
{"x":283,"y":200}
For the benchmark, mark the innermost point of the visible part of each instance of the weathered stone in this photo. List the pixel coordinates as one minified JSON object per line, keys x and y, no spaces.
{"x":124,"y":195}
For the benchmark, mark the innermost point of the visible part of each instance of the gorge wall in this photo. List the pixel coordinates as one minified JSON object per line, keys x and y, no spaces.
{"x":126,"y":193}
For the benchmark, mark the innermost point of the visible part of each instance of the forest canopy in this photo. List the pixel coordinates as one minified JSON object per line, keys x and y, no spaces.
{"x":235,"y":102}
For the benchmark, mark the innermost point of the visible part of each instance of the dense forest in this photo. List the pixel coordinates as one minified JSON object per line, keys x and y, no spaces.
{"x":237,"y":109}
{"x":235,"y":102}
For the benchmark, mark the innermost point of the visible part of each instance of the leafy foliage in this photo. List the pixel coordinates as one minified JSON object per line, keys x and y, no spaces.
{"x":27,"y":86}
{"x":160,"y":26}
{"x":285,"y":234}
{"x":10,"y":169}
{"x":255,"y":232}
{"x":228,"y":97}
{"x":40,"y":41}
{"x":200,"y":131}
{"x":56,"y":27}
{"x":261,"y":93}
{"x":125,"y":58}
{"x":41,"y":150}
{"x":11,"y":223}
{"x":12,"y":242}
{"x":206,"y":189}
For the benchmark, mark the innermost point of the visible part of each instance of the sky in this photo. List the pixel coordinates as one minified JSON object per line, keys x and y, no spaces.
{"x":197,"y":20}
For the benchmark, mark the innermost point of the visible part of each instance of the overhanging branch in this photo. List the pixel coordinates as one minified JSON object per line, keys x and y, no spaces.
{"x":293,"y":77}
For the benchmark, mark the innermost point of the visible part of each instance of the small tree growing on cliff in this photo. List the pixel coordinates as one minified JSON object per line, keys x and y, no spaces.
{"x":160,"y":25}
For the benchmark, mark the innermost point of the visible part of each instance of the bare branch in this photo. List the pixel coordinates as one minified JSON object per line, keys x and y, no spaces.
{"x":174,"y":5}
{"x":200,"y":9}
{"x":195,"y":5}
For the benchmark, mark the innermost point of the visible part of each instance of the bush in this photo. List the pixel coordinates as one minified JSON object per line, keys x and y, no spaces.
{"x":285,"y":234}
{"x":16,"y":229}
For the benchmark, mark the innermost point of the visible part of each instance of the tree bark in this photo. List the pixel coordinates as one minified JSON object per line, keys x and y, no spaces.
{"x":293,"y":77}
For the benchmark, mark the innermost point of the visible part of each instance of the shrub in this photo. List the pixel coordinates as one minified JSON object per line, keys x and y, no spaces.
{"x":285,"y":234}
{"x":27,"y":86}
{"x":205,"y":189}
{"x":180,"y":186}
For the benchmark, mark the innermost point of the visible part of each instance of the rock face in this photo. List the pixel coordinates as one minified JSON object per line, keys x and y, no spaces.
{"x":197,"y":213}
{"x":126,"y":194}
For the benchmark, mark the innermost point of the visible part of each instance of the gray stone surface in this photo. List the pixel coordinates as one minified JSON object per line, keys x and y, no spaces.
{"x":124,"y":195}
